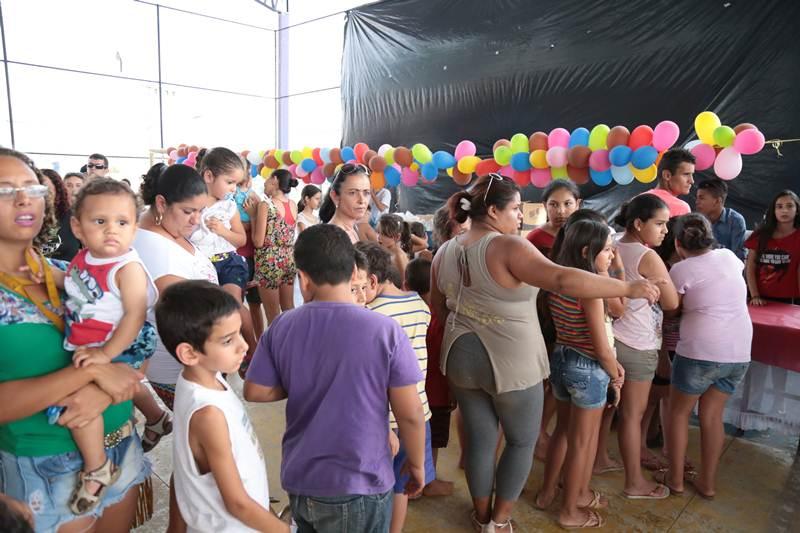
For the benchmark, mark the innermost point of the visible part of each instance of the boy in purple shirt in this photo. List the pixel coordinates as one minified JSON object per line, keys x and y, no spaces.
{"x":340,"y":366}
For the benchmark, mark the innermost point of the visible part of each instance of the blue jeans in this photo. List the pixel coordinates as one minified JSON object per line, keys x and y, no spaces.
{"x":342,"y":514}
{"x":578,"y":379}
{"x":694,"y":377}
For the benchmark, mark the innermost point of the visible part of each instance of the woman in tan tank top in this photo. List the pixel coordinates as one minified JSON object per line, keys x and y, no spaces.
{"x":484,"y":286}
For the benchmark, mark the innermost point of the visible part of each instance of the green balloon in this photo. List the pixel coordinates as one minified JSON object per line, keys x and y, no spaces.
{"x":296,"y":156}
{"x":598,"y":136}
{"x":503,"y":155}
{"x":388,"y":155}
{"x":724,"y":136}
{"x":519,"y":143}
{"x":421,"y":153}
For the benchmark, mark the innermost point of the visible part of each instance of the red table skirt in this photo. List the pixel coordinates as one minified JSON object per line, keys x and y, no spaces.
{"x":776,"y":335}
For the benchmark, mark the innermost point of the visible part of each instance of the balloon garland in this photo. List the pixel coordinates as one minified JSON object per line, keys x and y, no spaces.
{"x":602,"y":155}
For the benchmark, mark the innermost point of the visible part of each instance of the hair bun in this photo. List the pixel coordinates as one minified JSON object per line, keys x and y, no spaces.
{"x":293,"y":182}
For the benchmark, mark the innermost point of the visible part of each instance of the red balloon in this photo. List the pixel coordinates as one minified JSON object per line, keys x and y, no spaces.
{"x":316,"y":157}
{"x":287,"y":158}
{"x":744,"y":126}
{"x":501,"y":142}
{"x":335,"y":155}
{"x":522,"y":178}
{"x":360,"y":149}
{"x":403,"y":157}
{"x":460,"y":178}
{"x":618,"y":135}
{"x":485,"y":167}
{"x":368,"y":155}
{"x":578,"y":156}
{"x":538,"y":141}
{"x":641,"y":136}
{"x":578,"y":175}
{"x":377,"y":163}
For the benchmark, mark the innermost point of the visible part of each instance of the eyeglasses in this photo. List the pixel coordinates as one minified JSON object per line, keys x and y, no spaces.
{"x":98,"y":167}
{"x":31,"y":191}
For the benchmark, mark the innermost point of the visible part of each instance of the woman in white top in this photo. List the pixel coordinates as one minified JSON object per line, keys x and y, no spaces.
{"x":347,"y":200}
{"x":310,"y":198}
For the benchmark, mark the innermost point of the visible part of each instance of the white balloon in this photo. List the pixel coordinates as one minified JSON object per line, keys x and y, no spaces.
{"x":383,"y":148}
{"x":253,"y":158}
{"x":692,"y":144}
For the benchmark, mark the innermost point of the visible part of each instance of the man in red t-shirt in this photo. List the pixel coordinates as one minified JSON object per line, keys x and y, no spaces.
{"x":676,"y":177}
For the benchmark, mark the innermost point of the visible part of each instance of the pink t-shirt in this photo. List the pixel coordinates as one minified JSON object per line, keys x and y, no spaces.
{"x":676,"y":206}
{"x":715,"y":324}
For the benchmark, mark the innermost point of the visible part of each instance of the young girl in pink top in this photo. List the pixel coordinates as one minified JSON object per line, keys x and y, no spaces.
{"x":638,"y":332}
{"x":713,"y":352}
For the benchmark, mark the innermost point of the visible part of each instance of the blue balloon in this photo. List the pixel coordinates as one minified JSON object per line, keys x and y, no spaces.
{"x":644,"y":157}
{"x":620,"y":156}
{"x":579,"y":137}
{"x":347,"y":154}
{"x":325,"y":155}
{"x":392,"y":176}
{"x":180,"y":160}
{"x":601,"y":178}
{"x":622,"y":175}
{"x":521,"y":161}
{"x":253,"y":171}
{"x":428,"y":171}
{"x":442,"y":159}
{"x":308,"y":164}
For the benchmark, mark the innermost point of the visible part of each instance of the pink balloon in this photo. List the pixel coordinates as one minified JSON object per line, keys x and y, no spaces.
{"x":558,"y":137}
{"x":293,"y":169}
{"x":300,"y":172}
{"x":749,"y":142}
{"x":557,"y":155}
{"x":728,"y":164}
{"x":464,"y":149}
{"x":704,"y":156}
{"x":173,"y":155}
{"x":540,"y":177}
{"x":598,"y":161}
{"x":316,"y":176}
{"x":665,"y":135}
{"x":409,"y":177}
{"x":507,"y":171}
{"x":191,"y":156}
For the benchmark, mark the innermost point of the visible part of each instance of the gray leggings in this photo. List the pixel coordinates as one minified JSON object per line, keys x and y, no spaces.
{"x":519,"y":412}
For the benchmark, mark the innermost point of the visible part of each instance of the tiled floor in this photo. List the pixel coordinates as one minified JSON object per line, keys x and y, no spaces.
{"x":758,"y":490}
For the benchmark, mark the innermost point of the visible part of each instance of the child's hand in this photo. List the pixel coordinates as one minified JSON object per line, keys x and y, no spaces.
{"x":85,"y":356}
{"x":417,"y":481}
{"x":36,"y":277}
{"x":251,"y":206}
{"x":214,"y":225}
{"x":620,"y":379}
{"x":394,"y":443}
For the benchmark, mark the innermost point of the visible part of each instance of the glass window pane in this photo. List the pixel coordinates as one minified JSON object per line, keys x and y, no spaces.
{"x":210,"y":118}
{"x":315,"y":54}
{"x":68,"y":113}
{"x":315,"y":119}
{"x":244,"y":11}
{"x":106,"y":36}
{"x":204,"y":52}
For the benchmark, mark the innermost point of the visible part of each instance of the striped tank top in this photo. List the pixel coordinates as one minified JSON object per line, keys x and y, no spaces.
{"x":570,"y":321}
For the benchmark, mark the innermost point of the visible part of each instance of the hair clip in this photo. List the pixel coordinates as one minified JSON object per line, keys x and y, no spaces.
{"x":465,"y":204}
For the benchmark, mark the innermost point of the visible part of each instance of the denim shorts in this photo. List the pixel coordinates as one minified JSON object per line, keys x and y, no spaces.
{"x":357,"y":513}
{"x":578,"y":379}
{"x":231,"y":269}
{"x":46,"y":483}
{"x":694,"y":377}
{"x":400,"y":477}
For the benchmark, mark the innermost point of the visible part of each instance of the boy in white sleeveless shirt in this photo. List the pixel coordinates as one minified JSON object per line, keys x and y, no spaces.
{"x":220,"y":474}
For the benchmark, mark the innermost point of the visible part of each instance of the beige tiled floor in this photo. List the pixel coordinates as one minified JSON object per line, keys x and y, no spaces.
{"x":757,"y":491}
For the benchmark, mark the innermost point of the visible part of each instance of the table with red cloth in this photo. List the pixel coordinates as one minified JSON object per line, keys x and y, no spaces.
{"x":769,"y":397}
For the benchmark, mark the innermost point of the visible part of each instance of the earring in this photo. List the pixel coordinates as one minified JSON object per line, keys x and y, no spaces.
{"x":159,"y":217}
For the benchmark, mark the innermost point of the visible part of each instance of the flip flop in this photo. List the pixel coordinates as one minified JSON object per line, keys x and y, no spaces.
{"x":595,"y":503}
{"x":661,"y":477}
{"x":594,"y":521}
{"x":691,"y":478}
{"x":652,"y":495}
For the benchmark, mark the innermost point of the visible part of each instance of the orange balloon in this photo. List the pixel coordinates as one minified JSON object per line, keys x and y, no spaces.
{"x":193,"y":148}
{"x":173,"y":149}
{"x":336,"y":156}
{"x":744,"y":126}
{"x":377,"y":163}
{"x":617,"y":136}
{"x":403,"y":157}
{"x":461,"y":178}
{"x":368,"y":155}
{"x":182,"y":152}
{"x":578,"y":175}
{"x":329,"y":169}
{"x":538,"y":141}
{"x":287,"y":158}
{"x":271,"y":162}
{"x":578,"y":156}
{"x":377,"y":181}
{"x":501,"y":142}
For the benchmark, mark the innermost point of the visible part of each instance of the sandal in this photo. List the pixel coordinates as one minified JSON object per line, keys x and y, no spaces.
{"x":492,"y":526}
{"x":661,"y":477}
{"x":83,"y":501}
{"x":593,"y":521}
{"x":659,"y":493}
{"x":473,"y":516}
{"x":160,"y":429}
{"x":691,"y":479}
{"x":595,"y":503}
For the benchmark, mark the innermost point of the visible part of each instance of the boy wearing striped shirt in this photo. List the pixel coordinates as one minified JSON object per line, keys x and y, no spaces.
{"x":412,"y":313}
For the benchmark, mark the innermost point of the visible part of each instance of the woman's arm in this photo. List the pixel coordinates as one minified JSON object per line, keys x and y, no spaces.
{"x":438,"y":300}
{"x":300,"y":227}
{"x":652,"y":267}
{"x":595,"y":318}
{"x":616,"y":306}
{"x":528,"y":265}
{"x":260,"y":225}
{"x":752,"y":279}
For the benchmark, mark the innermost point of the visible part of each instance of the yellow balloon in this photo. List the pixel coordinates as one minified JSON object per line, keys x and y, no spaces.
{"x":414,"y":166}
{"x":450,"y":172}
{"x":388,"y":155}
{"x":266,"y":171}
{"x":705,"y":124}
{"x":559,"y":173}
{"x":644,"y":176}
{"x":308,"y":153}
{"x":467,"y":164}
{"x":538,"y":159}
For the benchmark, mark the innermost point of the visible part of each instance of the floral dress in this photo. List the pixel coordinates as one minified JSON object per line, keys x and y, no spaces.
{"x":275,"y":260}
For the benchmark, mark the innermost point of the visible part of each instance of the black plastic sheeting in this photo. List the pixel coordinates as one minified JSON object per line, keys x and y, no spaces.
{"x":438,"y":72}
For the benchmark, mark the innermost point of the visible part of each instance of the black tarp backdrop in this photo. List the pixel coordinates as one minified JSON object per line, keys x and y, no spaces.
{"x":441,"y":71}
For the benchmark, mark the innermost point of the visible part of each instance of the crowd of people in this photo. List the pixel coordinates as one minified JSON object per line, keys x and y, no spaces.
{"x":191,"y":279}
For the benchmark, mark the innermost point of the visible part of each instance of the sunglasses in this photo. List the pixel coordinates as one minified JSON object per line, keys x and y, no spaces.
{"x":98,"y":167}
{"x":493,"y":177}
{"x":31,"y":191}
{"x":349,"y":169}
